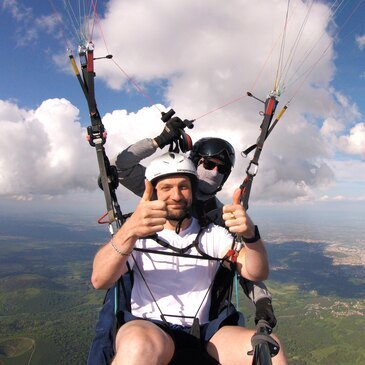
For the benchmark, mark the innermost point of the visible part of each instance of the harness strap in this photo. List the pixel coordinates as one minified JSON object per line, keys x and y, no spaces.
{"x":181,"y":252}
{"x":148,"y":250}
{"x":251,"y":171}
{"x":195,"y":329}
{"x":97,"y":135}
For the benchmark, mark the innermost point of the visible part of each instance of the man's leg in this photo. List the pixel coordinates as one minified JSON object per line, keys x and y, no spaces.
{"x":230,"y":345}
{"x":142,"y":342}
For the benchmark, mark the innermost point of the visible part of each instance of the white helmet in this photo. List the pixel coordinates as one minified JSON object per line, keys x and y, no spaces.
{"x":170,"y":163}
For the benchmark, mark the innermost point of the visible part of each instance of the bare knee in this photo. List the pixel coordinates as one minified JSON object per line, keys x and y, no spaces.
{"x":140,"y":342}
{"x":232,"y":345}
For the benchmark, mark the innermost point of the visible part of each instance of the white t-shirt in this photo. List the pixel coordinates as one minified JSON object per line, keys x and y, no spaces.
{"x":178,"y":284}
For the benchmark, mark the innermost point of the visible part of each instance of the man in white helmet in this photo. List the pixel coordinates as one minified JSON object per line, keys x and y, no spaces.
{"x":172,"y":291}
{"x":214,"y":159}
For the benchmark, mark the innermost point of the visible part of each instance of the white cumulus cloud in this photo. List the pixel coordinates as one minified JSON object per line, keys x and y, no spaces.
{"x":354,"y":142}
{"x":200,"y":55}
{"x":207,"y":53}
{"x":44,"y":151}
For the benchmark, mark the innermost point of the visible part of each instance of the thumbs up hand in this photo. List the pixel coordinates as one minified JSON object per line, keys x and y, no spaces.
{"x":149,"y":216}
{"x":236,"y":219}
{"x":148,"y":191}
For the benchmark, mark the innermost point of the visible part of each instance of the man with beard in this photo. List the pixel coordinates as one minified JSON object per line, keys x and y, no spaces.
{"x":214,"y":159}
{"x":171,"y":292}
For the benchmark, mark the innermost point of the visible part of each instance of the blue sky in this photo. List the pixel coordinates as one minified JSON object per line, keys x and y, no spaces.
{"x":29,"y":71}
{"x":28,"y":62}
{"x":193,"y":58}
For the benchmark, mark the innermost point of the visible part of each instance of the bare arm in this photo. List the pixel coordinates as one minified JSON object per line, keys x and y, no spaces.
{"x":252,"y":261}
{"x":110,"y":262}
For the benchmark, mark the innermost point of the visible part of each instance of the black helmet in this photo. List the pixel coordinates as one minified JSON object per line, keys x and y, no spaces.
{"x":214,"y":147}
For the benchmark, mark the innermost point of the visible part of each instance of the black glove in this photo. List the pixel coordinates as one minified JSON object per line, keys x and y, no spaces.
{"x":170,"y":133}
{"x":264,"y":310}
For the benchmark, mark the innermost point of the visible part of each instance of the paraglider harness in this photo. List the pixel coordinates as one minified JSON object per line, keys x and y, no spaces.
{"x":221,"y":287}
{"x":190,"y":348}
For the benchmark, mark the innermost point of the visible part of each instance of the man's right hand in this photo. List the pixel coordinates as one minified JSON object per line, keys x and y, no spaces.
{"x":170,"y":133}
{"x":149,"y":216}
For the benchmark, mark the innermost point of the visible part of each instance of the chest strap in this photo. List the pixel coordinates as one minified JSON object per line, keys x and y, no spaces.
{"x":181,"y":252}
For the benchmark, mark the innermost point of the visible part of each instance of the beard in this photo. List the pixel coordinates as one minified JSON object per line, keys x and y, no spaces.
{"x":177,"y":214}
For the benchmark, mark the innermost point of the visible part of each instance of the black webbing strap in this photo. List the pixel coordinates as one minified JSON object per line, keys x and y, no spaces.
{"x":274,"y":123}
{"x":97,"y":133}
{"x":222,"y":288}
{"x":148,"y":250}
{"x":251,"y":171}
{"x":181,"y":252}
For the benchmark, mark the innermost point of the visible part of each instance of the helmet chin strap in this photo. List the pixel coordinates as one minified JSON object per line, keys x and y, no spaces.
{"x":180,"y":222}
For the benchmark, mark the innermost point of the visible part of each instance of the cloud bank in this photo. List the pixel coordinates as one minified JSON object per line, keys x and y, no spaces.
{"x":200,"y":55}
{"x":44,"y":152}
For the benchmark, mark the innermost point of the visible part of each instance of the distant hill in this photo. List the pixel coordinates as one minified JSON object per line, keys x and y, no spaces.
{"x":41,"y":230}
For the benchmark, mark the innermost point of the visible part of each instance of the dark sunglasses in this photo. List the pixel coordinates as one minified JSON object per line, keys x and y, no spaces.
{"x":210,"y":165}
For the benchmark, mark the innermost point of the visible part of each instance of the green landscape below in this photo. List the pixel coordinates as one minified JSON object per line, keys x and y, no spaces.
{"x":48,"y":308}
